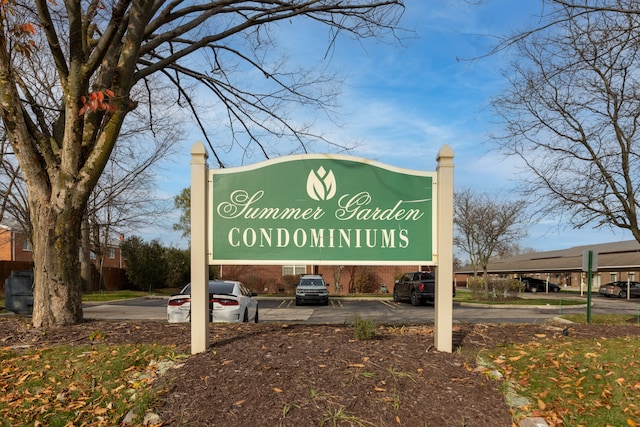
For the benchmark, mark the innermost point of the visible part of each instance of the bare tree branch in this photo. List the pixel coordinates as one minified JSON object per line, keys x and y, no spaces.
{"x":572,"y":113}
{"x":105,"y":53}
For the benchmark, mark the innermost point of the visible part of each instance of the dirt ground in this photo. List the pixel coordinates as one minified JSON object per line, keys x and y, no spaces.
{"x":272,"y":374}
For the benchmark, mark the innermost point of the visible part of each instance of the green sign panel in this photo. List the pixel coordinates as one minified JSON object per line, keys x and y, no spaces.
{"x":321,"y":209}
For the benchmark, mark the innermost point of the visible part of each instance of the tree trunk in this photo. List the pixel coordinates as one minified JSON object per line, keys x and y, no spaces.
{"x":57,"y":282}
{"x":85,"y":259}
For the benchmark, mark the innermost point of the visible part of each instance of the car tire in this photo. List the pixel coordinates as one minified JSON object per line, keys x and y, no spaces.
{"x":298,"y":302}
{"x":533,"y":289}
{"x":396,"y":298}
{"x":623,"y":294}
{"x":255,"y":319}
{"x":326,"y":302}
{"x":415,"y":298}
{"x":245,"y":319}
{"x":556,"y":290}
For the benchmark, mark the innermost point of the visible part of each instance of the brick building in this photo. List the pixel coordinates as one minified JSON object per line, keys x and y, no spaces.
{"x":16,"y":254}
{"x":341,"y":279}
{"x":14,"y":246}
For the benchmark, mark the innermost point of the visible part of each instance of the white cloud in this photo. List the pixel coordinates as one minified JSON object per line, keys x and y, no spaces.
{"x":401,"y":104}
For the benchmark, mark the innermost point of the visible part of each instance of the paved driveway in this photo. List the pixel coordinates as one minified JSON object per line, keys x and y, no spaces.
{"x":344,"y":310}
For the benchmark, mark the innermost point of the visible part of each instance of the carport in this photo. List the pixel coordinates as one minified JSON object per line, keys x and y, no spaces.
{"x":616,"y":261}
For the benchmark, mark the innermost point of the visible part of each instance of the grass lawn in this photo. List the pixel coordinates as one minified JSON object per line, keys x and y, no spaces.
{"x":554,"y":300}
{"x":576,"y":382}
{"x":100,"y":296}
{"x":125,"y":294}
{"x":79,"y":385}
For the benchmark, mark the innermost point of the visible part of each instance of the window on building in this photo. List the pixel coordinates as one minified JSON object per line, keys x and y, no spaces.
{"x":289,"y":270}
{"x":614,"y":277}
{"x":112,"y":253}
{"x":632,"y":277}
{"x":26,"y":245}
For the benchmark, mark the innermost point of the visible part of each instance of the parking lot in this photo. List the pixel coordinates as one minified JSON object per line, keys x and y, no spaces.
{"x":383,"y":310}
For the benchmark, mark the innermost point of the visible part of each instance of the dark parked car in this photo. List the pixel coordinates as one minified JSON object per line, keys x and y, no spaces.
{"x":538,"y":285}
{"x":418,"y":287}
{"x":619,"y":289}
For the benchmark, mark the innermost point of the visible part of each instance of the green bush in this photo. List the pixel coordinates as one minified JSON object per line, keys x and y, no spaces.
{"x":364,"y":329}
{"x":366,"y":281}
{"x":477,"y":287}
{"x":289,"y":283}
{"x":504,"y":288}
{"x":494,"y":288}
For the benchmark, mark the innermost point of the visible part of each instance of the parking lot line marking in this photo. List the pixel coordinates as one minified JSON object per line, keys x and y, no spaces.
{"x":287,"y":314}
{"x":389,"y":304}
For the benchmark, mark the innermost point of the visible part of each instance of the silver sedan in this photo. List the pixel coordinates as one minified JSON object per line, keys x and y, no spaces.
{"x":619,"y":289}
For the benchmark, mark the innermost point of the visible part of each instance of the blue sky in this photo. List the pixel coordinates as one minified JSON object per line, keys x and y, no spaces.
{"x":399,"y":105}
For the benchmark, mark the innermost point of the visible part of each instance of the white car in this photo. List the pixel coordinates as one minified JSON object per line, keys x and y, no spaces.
{"x":229,"y":301}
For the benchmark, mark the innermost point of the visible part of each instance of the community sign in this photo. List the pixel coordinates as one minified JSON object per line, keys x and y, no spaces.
{"x":321,"y":209}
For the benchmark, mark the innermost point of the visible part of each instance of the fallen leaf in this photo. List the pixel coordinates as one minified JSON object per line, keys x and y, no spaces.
{"x":541,"y":405}
{"x":277,"y":390}
{"x":356,"y":365}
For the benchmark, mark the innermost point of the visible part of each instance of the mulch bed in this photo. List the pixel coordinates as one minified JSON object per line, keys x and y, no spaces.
{"x":270,"y":374}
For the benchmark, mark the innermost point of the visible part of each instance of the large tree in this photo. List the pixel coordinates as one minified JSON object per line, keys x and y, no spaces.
{"x":124,"y":199}
{"x":572,"y":112}
{"x":486,"y":226}
{"x":63,"y":125}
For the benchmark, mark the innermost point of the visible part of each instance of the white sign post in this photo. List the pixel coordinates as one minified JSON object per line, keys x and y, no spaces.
{"x":443,"y":334}
{"x":199,"y":266}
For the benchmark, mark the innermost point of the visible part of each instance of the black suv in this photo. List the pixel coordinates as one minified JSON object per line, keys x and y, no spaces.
{"x":538,"y":285}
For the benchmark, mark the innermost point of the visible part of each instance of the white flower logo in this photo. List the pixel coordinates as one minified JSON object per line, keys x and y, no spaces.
{"x":321,"y":185}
